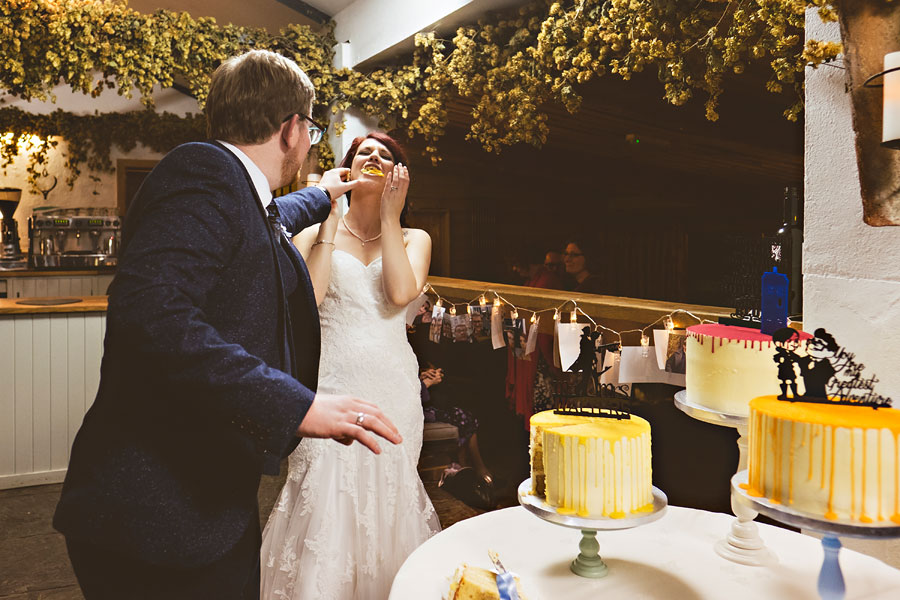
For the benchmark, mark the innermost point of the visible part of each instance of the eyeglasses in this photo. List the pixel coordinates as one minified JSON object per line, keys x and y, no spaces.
{"x":315,"y":130}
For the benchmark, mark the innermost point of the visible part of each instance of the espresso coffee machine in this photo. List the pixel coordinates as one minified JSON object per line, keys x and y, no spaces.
{"x":76,"y":238}
{"x":11,"y":256}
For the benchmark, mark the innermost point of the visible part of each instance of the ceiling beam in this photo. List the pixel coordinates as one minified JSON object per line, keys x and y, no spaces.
{"x":310,"y":12}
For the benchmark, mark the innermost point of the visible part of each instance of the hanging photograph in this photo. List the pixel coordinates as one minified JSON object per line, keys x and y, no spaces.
{"x":675,"y":352}
{"x":437,"y":318}
{"x":514,"y":336}
{"x":531,"y":342}
{"x":569,"y":339}
{"x":462,"y":328}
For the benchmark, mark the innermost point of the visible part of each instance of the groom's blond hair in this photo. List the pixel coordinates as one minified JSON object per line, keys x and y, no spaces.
{"x":250,"y":95}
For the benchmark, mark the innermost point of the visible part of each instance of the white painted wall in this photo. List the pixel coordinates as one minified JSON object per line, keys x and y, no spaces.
{"x":851,"y":270}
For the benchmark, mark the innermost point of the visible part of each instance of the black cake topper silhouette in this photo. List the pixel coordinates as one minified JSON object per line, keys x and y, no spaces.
{"x":579,"y":390}
{"x":831,"y":374}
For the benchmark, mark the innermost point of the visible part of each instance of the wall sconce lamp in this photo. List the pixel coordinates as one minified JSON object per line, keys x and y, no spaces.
{"x":890,"y":137}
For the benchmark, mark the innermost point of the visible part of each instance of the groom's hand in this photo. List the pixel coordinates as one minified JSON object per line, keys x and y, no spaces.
{"x":337,"y":182}
{"x":344,"y":419}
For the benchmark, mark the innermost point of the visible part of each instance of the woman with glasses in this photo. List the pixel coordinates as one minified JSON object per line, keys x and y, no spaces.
{"x":578,"y":263}
{"x":345,"y":522}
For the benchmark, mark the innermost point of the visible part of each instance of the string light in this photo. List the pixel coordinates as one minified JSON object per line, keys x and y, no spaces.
{"x":667,"y":320}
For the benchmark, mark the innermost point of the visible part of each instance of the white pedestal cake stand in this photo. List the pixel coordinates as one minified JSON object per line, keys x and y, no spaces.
{"x":588,"y":562}
{"x":742,"y":544}
{"x":831,"y":579}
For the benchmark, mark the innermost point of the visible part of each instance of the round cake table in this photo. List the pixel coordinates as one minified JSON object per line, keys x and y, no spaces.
{"x":669,"y":558}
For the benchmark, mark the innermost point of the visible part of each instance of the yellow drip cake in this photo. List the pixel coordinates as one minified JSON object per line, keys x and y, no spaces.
{"x":830,"y":461}
{"x":594,"y":467}
{"x":539,"y":422}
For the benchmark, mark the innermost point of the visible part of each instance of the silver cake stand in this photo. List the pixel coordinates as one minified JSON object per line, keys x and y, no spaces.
{"x":742,"y":544}
{"x":831,"y":579}
{"x":588,"y":562}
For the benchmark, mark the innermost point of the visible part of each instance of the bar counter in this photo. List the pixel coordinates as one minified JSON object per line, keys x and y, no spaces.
{"x":20,"y":306}
{"x":55,"y":272}
{"x":50,"y":373}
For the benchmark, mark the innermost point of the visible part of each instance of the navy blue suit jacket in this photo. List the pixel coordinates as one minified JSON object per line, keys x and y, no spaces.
{"x":199,"y":393}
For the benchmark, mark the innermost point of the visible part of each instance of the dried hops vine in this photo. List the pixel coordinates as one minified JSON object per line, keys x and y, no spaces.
{"x":98,"y":45}
{"x":512,"y":64}
{"x":515,"y":64}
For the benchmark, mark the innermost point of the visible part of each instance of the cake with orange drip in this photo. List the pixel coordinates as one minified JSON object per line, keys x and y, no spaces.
{"x":599,"y":468}
{"x":826,"y":460}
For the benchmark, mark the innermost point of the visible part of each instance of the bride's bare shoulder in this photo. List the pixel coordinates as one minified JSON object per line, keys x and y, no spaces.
{"x":419,"y":236}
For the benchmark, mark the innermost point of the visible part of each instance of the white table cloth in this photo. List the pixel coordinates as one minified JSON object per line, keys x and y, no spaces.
{"x":671,"y":558}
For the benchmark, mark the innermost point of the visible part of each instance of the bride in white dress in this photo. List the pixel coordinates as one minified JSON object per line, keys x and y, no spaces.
{"x":346,"y":518}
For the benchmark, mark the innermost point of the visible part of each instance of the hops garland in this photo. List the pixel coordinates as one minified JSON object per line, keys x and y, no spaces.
{"x":511,"y":64}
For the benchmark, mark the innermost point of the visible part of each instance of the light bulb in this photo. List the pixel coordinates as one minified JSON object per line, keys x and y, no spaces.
{"x":482,"y":301}
{"x":533,"y":317}
{"x":669,"y":323}
{"x":514,"y":314}
{"x":573,"y":317}
{"x":453,"y":310}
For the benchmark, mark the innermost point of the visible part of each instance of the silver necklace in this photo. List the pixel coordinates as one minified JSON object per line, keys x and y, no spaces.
{"x":353,"y":233}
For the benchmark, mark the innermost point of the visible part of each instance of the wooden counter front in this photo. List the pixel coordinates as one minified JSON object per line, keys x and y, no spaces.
{"x":57,"y":272}
{"x":13,"y":306}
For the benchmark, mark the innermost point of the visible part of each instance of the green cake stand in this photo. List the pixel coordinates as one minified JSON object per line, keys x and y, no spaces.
{"x":588,"y":562}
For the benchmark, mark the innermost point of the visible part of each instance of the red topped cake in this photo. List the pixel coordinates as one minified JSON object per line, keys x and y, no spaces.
{"x":728,"y":366}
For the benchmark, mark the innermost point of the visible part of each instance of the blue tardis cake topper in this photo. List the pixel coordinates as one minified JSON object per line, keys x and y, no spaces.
{"x":830,"y":374}
{"x":579,"y":391}
{"x":774,"y":307}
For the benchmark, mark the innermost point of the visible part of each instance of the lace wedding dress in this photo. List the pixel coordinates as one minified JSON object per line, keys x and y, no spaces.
{"x":346,"y":518}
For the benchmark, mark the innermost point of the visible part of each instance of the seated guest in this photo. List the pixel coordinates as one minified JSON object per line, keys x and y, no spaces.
{"x":533,"y":270}
{"x":578,"y":261}
{"x":554,"y":262}
{"x":442,"y":410}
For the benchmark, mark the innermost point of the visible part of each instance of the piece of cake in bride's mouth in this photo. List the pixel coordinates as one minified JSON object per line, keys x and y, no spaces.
{"x":373,"y":171}
{"x":475,"y":583}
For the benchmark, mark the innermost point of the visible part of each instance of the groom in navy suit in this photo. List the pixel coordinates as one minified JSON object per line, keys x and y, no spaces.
{"x":211,"y":354}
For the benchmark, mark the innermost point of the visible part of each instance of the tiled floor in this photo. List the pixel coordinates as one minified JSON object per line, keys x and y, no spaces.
{"x":33,"y":560}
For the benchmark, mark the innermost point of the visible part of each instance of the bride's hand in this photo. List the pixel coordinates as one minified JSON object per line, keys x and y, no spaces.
{"x":344,"y":419}
{"x":393,"y":197}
